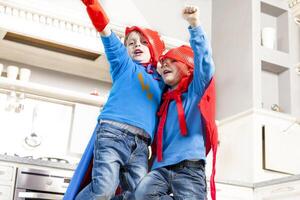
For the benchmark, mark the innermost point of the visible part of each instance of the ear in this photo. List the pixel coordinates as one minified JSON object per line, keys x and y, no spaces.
{"x":158,"y":68}
{"x":189,"y":72}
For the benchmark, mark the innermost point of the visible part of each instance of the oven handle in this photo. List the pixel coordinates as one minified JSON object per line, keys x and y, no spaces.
{"x":37,"y":195}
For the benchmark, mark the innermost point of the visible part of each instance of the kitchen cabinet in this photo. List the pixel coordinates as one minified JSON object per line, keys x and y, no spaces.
{"x":258,"y":148}
{"x":7,"y":180}
{"x":276,"y":63}
{"x":84,"y":122}
{"x":6,"y":192}
{"x":281,"y":146}
{"x":249,"y":73}
{"x":6,"y":174}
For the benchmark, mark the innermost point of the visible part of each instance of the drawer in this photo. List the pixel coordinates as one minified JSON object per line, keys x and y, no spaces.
{"x":6,"y":173}
{"x":5,"y":192}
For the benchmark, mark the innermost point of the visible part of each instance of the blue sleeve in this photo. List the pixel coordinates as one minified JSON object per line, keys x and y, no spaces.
{"x":117,"y":55}
{"x":203,"y":62}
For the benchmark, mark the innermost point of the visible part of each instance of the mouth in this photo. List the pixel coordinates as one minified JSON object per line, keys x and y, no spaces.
{"x":138,"y":52}
{"x":166,"y":71}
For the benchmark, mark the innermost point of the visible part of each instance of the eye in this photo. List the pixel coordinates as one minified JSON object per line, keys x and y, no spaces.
{"x":145,"y":42}
{"x":173,"y":61}
{"x":130,"y":43}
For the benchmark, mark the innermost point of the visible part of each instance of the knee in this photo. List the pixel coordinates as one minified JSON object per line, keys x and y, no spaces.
{"x":141,"y":193}
{"x":101,"y":192}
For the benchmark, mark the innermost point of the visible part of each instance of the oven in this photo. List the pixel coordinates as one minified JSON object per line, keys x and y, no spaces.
{"x":34,"y":184}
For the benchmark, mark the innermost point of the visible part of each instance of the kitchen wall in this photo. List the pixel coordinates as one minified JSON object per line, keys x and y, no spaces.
{"x":295,"y":50}
{"x":232,"y":51}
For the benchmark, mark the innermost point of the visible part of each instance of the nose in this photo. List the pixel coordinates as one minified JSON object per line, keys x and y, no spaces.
{"x":137,"y":44}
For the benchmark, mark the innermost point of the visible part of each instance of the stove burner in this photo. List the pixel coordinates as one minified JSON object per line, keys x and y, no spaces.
{"x":52,"y":159}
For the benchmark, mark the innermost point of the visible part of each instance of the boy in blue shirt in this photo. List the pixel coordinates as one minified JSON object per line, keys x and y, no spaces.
{"x":185,"y":133}
{"x":128,"y":120}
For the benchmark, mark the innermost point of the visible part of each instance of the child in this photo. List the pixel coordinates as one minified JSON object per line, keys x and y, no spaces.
{"x":185,"y":133}
{"x":128,"y":119}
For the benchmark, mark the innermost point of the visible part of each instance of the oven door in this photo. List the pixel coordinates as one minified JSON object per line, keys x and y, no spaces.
{"x":22,"y":194}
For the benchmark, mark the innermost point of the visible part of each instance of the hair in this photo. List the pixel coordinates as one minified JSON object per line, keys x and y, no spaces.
{"x":126,"y":36}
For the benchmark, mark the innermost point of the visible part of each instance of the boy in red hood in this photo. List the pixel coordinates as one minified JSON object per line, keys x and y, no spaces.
{"x":127,"y":122}
{"x":185,"y":133}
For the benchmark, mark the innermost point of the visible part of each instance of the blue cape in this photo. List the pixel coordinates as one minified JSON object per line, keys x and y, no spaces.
{"x":81,"y":170}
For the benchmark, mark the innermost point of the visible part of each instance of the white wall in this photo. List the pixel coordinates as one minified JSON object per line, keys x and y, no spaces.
{"x":295,"y":51}
{"x":165,"y":16}
{"x":232,"y":51}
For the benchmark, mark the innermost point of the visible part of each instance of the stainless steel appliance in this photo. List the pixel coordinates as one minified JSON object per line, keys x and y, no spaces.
{"x":41,"y":184}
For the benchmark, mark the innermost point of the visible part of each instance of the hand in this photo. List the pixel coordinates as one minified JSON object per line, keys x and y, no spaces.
{"x":191,"y":15}
{"x":87,"y":2}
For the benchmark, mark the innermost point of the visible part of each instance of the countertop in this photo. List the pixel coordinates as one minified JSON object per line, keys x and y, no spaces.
{"x":37,"y":162}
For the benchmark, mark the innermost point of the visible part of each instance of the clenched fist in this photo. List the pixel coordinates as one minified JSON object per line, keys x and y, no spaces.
{"x":191,"y":15}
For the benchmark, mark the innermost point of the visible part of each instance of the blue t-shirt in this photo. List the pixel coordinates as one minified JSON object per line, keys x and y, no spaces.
{"x":135,"y":95}
{"x":176,"y":147}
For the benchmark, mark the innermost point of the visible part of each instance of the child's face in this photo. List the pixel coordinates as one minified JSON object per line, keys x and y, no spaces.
{"x":172,"y":72}
{"x":137,"y":47}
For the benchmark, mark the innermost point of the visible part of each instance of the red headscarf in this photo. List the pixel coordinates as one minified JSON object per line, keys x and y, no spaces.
{"x":156,"y":45}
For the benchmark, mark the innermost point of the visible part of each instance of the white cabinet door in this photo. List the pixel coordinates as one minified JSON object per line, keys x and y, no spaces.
{"x":84,"y":123}
{"x":5,"y":192}
{"x":6,"y":174}
{"x":282,"y":149}
{"x":7,"y":180}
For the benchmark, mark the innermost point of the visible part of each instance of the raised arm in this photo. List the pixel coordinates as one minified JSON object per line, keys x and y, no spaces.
{"x":203,"y":62}
{"x":191,"y":15}
{"x":115,"y":51}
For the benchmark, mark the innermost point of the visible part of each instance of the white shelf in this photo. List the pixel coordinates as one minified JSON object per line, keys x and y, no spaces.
{"x":276,"y":88}
{"x":274,"y":7}
{"x":274,"y":14}
{"x":275,"y":57}
{"x":52,"y":92}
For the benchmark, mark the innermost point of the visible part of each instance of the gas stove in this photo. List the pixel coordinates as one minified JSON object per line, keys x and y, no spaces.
{"x":43,"y":158}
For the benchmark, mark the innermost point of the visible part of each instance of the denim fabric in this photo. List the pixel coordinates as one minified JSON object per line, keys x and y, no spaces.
{"x":120,"y":157}
{"x":187,"y":183}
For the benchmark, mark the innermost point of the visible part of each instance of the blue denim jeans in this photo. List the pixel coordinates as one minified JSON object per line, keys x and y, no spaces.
{"x":183,"y":183}
{"x":120,"y":158}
